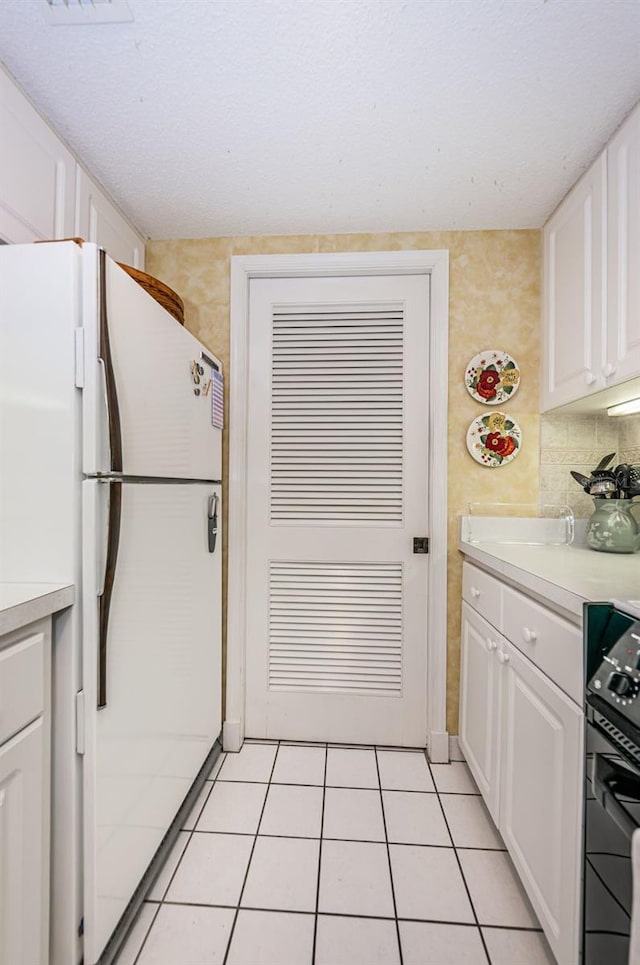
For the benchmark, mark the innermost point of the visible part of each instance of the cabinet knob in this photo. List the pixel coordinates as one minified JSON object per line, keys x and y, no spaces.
{"x":530,"y":636}
{"x":608,"y":370}
{"x":491,"y":645}
{"x":590,"y":378}
{"x":503,"y":657}
{"x":475,"y":593}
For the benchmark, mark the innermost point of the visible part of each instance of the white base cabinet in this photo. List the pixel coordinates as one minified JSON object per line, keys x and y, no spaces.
{"x":25,"y":741}
{"x":480,"y":705}
{"x":541,"y":796}
{"x":22,"y":854}
{"x":523,"y":739}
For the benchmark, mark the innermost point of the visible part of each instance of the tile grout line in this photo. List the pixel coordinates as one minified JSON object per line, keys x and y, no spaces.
{"x":324,"y":793}
{"x":386,"y":841}
{"x":253,"y":848}
{"x":344,"y":914}
{"x":190,"y":833}
{"x":464,"y":880}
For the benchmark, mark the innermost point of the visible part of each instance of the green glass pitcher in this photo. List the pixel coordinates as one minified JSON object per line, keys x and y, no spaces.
{"x":613,"y":528}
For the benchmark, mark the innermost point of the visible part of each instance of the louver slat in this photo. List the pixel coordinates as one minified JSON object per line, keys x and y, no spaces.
{"x":337,"y":412}
{"x":336,"y":627}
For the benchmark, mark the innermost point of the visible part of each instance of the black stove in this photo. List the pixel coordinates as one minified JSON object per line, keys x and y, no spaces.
{"x":612,"y":808}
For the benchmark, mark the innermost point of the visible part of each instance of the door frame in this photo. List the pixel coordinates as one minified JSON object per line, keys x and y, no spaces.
{"x":434,"y":263}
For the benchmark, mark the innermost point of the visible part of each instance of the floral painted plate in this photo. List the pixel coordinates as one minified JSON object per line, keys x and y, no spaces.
{"x":492,"y":377}
{"x":494,"y":439}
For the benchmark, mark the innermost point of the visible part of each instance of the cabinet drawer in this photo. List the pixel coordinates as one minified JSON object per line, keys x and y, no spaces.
{"x":483,"y":593}
{"x":551,"y":643}
{"x":21,"y":684}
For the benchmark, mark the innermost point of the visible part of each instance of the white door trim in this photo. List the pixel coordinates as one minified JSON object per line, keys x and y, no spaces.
{"x":243,"y":269}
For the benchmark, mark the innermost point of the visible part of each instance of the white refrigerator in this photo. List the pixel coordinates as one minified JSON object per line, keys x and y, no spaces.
{"x":110,"y":469}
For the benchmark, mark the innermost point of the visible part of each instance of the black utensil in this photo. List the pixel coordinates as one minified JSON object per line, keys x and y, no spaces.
{"x":622,"y":474}
{"x":634,"y":482}
{"x":602,"y":483}
{"x":584,"y":481}
{"x":604,"y":462}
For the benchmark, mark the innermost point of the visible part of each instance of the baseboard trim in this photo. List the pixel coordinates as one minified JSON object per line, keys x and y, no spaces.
{"x":439,"y":747}
{"x":232,"y":738}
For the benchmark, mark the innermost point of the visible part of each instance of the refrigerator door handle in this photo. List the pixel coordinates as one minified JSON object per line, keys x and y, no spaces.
{"x":212,"y":522}
{"x":111,"y":395}
{"x":104,"y":605}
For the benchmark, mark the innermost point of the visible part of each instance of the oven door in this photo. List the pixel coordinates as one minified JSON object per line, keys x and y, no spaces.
{"x":612,"y":815}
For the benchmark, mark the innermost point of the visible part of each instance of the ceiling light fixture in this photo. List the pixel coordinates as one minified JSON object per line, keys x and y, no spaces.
{"x":625,"y":408}
{"x":88,"y":12}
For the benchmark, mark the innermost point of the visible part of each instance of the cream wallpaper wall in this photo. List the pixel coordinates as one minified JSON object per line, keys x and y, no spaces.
{"x":494,"y":302}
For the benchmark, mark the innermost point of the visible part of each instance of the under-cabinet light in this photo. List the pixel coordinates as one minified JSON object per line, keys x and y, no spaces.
{"x":625,"y":408}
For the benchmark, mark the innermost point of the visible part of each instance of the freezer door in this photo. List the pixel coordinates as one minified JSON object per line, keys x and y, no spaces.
{"x":162,"y":677}
{"x":149,"y":390}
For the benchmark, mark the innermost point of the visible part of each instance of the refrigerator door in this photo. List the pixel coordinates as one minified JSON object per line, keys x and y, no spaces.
{"x":162,"y":690}
{"x":149,"y":384}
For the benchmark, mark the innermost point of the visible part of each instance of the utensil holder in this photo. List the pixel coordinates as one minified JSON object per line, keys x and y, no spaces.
{"x":612,"y":528}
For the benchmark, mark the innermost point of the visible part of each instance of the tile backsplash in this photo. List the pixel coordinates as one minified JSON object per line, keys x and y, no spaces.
{"x":579,"y":442}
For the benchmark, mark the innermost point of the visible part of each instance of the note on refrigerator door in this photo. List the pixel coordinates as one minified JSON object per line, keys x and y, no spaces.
{"x":217,"y":400}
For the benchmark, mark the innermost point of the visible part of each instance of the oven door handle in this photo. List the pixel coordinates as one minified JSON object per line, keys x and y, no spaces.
{"x":609,"y":781}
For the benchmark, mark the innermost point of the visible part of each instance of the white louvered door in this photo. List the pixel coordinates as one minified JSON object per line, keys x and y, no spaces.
{"x":337,"y":489}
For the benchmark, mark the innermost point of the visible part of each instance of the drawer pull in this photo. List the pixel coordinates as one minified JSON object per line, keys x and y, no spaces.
{"x":491,"y":645}
{"x":503,"y":657}
{"x":475,"y":592}
{"x":530,"y":636}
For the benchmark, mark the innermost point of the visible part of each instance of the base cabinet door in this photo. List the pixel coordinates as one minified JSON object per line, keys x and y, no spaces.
{"x":22,"y":860}
{"x":541,"y":803}
{"x":480,"y":703}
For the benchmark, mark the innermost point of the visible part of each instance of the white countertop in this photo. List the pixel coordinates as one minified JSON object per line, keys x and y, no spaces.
{"x":562,"y":576}
{"x":22,"y":603}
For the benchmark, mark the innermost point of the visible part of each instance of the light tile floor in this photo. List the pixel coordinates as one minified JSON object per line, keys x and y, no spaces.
{"x":301,"y":854}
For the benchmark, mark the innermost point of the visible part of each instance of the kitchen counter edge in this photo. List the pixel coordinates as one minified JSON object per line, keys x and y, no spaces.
{"x":23,"y":603}
{"x":524,"y":567}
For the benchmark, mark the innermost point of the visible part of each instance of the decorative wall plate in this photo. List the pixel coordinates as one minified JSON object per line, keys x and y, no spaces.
{"x":494,"y":439}
{"x":492,"y":377}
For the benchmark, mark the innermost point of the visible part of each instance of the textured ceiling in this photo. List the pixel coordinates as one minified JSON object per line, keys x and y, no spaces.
{"x":208,"y":117}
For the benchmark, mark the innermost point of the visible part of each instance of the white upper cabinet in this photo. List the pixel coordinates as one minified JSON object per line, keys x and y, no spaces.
{"x":591,"y":277}
{"x":45,"y":194}
{"x":622,"y":358}
{"x":573,"y":292}
{"x":37,"y":173}
{"x":98,"y":220}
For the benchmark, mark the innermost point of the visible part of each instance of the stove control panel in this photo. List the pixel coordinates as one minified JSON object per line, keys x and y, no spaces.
{"x":617,"y":679}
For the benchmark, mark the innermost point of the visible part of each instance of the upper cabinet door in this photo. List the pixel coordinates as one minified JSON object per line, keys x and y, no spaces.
{"x":98,"y":220}
{"x":37,"y":173}
{"x":574,"y":292}
{"x":622,"y":358}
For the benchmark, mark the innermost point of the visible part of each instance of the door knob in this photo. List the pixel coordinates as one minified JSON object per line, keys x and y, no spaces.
{"x":590,"y":378}
{"x":503,"y":657}
{"x":530,"y":636}
{"x":608,"y":370}
{"x":491,"y":645}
